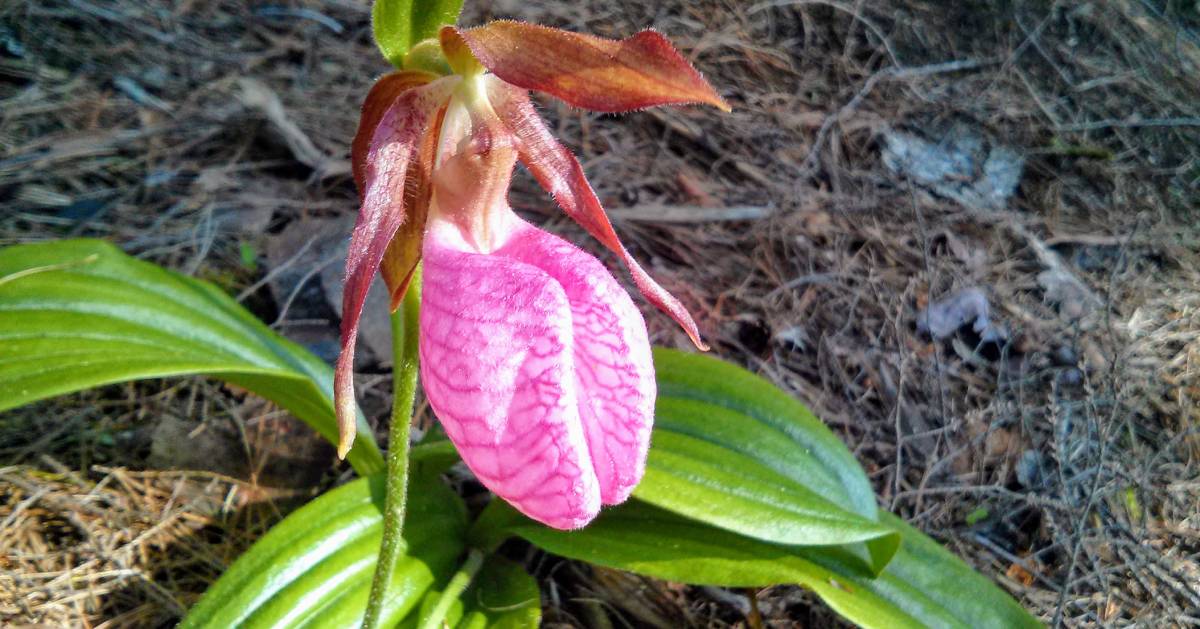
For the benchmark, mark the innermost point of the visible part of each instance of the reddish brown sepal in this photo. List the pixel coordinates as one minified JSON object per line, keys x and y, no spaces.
{"x":396,"y":142}
{"x":557,"y":170}
{"x":404,"y":252}
{"x":591,"y":72}
{"x":378,"y":101}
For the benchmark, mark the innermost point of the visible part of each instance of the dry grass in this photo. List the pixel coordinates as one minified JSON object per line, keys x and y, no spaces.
{"x":133,"y":549}
{"x":1078,"y":437}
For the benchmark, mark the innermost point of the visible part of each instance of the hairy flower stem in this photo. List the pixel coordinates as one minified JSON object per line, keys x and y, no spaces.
{"x":405,"y":322}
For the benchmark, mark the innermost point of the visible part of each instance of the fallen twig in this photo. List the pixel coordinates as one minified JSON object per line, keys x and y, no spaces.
{"x":690,"y":213}
{"x":257,"y":95}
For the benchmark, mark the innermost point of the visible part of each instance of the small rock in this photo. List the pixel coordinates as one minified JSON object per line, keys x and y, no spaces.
{"x":959,"y":165}
{"x":177,"y":444}
{"x":970,"y":305}
{"x":1030,"y":469}
{"x":313,"y":251}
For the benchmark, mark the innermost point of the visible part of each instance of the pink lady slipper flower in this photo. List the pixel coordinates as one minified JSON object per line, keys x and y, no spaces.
{"x":535,"y":360}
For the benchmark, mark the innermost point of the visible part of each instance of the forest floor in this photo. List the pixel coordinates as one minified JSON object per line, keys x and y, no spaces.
{"x":966,"y":234}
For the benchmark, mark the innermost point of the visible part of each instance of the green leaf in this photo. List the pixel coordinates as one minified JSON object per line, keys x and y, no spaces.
{"x":926,"y":581}
{"x":314,"y":568}
{"x":923,"y":585}
{"x":400,"y":24}
{"x":77,"y":314}
{"x":503,"y":596}
{"x":732,"y":450}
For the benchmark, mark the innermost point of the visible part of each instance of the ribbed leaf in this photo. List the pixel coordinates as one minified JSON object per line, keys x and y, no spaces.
{"x":80,"y":313}
{"x":503,"y":596}
{"x":923,"y":585}
{"x":732,"y":450}
{"x":314,"y":568}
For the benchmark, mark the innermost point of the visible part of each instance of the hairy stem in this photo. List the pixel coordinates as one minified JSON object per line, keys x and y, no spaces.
{"x":405,"y":322}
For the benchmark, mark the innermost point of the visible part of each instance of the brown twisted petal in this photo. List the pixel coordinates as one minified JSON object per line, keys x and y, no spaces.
{"x":398,"y":136}
{"x":381,"y":97}
{"x":586,"y":71}
{"x":404,"y":252}
{"x":557,"y":170}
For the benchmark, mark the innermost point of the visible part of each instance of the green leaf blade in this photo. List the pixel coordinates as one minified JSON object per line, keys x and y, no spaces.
{"x":503,"y":596}
{"x":753,"y":500}
{"x":923,"y":586}
{"x":782,"y":426}
{"x":925,"y":568}
{"x":80,"y":313}
{"x":314,"y":568}
{"x":732,"y":450}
